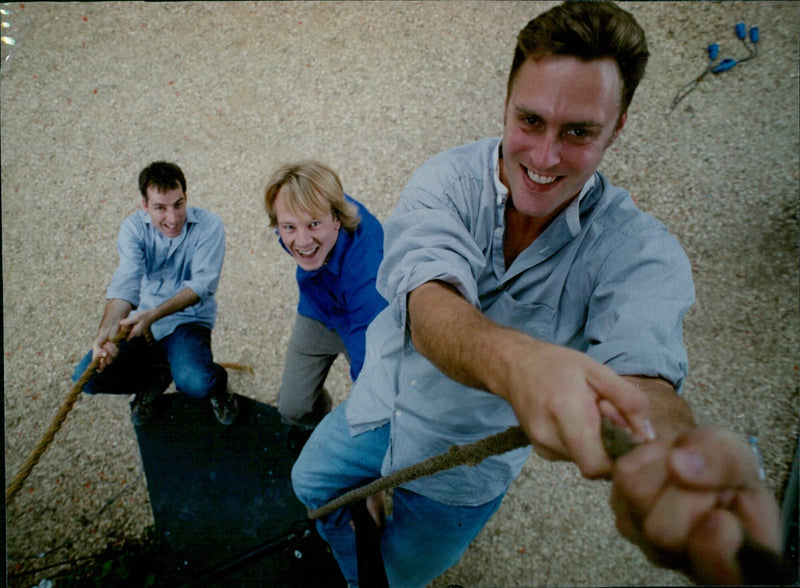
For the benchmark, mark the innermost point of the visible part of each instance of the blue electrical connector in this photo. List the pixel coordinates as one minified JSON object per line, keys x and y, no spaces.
{"x":726,"y":64}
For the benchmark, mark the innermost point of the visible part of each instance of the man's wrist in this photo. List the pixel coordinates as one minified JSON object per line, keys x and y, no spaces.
{"x":512,"y":349}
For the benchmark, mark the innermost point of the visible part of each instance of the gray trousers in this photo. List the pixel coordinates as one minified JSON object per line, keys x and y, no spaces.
{"x":302,"y":397}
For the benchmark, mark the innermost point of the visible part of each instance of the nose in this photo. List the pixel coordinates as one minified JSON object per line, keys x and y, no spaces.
{"x":303,"y":236}
{"x":546,"y":152}
{"x":171,"y":216}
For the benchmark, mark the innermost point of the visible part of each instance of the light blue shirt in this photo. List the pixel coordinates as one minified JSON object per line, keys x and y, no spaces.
{"x":153,"y":268}
{"x":604,"y":278}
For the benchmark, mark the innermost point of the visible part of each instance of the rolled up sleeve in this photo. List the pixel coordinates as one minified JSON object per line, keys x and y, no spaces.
{"x":635,"y":313}
{"x":126,"y":283}
{"x":206,"y":260}
{"x":426,"y":240}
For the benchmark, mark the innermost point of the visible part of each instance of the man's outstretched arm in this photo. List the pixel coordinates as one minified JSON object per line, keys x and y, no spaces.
{"x":557,"y":393}
{"x":141,"y":321}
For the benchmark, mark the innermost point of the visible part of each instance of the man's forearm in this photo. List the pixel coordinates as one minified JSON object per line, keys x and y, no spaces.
{"x":116,"y":309}
{"x":457,"y":338}
{"x":183,"y":299}
{"x":669,"y":413}
{"x":141,"y":321}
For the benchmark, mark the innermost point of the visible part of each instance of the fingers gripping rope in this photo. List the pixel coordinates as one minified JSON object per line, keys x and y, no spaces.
{"x":47,"y":438}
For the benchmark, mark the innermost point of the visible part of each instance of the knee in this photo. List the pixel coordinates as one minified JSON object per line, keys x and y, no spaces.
{"x":288,"y":408}
{"x":195,"y":383}
{"x":304,"y":410}
{"x":294,"y":412}
{"x":306,"y":481}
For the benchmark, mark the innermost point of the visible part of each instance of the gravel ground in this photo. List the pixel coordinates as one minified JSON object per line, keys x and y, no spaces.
{"x":92,"y":92}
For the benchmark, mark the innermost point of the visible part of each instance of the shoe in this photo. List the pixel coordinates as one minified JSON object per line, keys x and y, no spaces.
{"x":225,"y":407}
{"x":142,"y":406}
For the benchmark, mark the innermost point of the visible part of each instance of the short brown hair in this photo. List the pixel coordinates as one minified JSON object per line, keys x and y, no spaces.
{"x":163,"y":176}
{"x":588,"y":31}
{"x":310,"y":187}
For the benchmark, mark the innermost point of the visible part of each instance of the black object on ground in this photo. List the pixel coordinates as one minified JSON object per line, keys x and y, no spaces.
{"x":222,"y":498}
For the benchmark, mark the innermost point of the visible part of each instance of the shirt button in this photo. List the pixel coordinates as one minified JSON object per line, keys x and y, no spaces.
{"x":397,"y":413}
{"x":413,"y":383}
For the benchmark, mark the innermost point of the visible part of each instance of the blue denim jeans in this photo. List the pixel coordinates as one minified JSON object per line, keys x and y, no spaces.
{"x":184,"y":356}
{"x":422,"y":538}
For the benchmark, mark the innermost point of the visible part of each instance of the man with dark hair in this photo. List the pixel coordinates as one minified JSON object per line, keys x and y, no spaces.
{"x":170,"y":261}
{"x":524,"y":288}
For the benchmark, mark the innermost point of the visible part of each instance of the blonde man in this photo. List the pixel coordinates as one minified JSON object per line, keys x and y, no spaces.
{"x":338,"y":246}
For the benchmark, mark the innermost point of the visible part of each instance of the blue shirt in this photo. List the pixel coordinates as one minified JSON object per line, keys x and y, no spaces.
{"x":603,"y":278}
{"x":341,"y":294}
{"x":153,"y":268}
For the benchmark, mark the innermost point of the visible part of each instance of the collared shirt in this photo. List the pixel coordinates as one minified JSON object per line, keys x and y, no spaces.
{"x":341,"y":294}
{"x":604,"y":278}
{"x":153,"y":268}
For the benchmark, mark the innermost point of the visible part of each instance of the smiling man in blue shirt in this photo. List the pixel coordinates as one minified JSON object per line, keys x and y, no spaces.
{"x":170,"y":259}
{"x":338,"y":246}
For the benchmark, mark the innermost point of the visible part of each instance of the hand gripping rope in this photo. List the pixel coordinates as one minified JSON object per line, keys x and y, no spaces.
{"x":72,"y":398}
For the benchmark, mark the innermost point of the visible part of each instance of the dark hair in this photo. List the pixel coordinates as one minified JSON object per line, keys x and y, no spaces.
{"x":164,"y":176}
{"x":588,"y":31}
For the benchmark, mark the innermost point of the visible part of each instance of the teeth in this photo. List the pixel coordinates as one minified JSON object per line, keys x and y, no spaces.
{"x":307,"y":252}
{"x":541,"y":179}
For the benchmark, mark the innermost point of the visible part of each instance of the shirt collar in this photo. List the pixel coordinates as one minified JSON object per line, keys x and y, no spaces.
{"x":502,"y":191}
{"x":571,"y":213}
{"x":334,"y":263}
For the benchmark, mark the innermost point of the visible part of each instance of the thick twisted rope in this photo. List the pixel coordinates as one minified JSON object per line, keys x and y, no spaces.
{"x":69,"y":403}
{"x":49,"y":435}
{"x":471,"y":454}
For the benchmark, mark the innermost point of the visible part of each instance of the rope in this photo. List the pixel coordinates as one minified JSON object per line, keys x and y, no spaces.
{"x":237,"y":366}
{"x":471,"y":454}
{"x":72,"y":398}
{"x":47,"y":438}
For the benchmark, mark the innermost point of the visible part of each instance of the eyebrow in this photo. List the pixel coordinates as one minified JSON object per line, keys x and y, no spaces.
{"x":523,"y":112}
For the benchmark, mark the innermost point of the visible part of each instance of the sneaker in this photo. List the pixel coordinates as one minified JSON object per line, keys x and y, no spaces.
{"x":142,"y":406}
{"x":225,"y":407}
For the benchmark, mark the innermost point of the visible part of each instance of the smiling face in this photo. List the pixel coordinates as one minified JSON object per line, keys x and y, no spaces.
{"x":308,"y":237}
{"x":167,"y":210}
{"x":560,"y":117}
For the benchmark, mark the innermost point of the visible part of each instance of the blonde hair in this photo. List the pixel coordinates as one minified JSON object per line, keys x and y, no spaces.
{"x":310,"y":187}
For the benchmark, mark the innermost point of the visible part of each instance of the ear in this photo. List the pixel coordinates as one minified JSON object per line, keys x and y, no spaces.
{"x":620,"y":124}
{"x":144,"y":203}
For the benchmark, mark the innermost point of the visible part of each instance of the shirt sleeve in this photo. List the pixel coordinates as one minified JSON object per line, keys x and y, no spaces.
{"x":127,"y":280}
{"x":428,"y":239}
{"x":207,"y":257}
{"x":635,"y":312}
{"x":363,"y":305}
